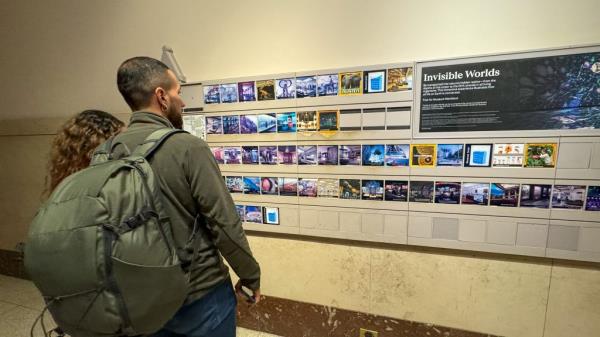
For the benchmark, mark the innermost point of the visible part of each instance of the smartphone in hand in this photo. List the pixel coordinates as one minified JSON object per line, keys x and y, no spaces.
{"x":248,"y":294}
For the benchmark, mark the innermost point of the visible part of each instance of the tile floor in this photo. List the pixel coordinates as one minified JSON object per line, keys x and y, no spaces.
{"x":21,"y":303}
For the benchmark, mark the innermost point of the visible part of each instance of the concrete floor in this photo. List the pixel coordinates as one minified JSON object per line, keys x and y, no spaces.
{"x":21,"y":303}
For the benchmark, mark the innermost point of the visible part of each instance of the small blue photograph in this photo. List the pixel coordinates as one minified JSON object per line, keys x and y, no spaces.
{"x":327,"y":85}
{"x":231,"y":125}
{"x":211,"y":94}
{"x":252,"y":185}
{"x":397,"y":155}
{"x":449,"y":154}
{"x":229,"y":93}
{"x":306,"y":86}
{"x":286,"y":88}
{"x":286,"y":122}
{"x":373,"y":155}
{"x":248,"y":124}
{"x":267,"y":123}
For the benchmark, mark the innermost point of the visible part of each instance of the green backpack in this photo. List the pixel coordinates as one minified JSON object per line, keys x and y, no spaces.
{"x":101,"y":250}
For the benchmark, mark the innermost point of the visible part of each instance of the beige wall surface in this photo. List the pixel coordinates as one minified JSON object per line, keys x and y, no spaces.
{"x":60,"y":57}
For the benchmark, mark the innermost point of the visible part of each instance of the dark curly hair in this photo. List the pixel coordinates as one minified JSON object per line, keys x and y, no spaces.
{"x":75,"y":143}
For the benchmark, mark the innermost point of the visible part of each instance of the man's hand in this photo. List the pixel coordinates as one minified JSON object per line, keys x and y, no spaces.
{"x":254,"y":298}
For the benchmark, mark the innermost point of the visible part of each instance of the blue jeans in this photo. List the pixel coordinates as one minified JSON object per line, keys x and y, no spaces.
{"x":211,"y":316}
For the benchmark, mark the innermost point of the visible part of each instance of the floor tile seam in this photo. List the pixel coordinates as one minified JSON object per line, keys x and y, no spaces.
{"x":20,"y":305}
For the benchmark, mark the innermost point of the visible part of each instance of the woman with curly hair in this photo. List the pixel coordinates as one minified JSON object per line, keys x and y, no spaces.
{"x":75,"y":143}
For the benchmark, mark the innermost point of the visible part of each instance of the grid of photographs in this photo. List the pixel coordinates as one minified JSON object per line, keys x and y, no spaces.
{"x":319,"y":85}
{"x":567,"y":197}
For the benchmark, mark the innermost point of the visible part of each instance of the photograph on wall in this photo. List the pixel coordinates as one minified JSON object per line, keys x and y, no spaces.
{"x":307,"y":155}
{"x":195,"y":125}
{"x":234,"y":184}
{"x":214,"y":125}
{"x":372,"y":189}
{"x":306,"y":121}
{"x":248,"y":124}
{"x":422,"y":155}
{"x":508,"y":155}
{"x":229,"y":93}
{"x":478,"y":155}
{"x":265,"y":90}
{"x":240,"y":211}
{"x":269,"y":186}
{"x":537,"y":196}
{"x":592,"y":199}
{"x":267,"y":123}
{"x":505,"y":195}
{"x":286,"y":154}
{"x":211,"y":94}
{"x":373,"y":155}
{"x":350,"y":83}
{"x":306,"y":86}
{"x":271,"y":215}
{"x":246,"y":91}
{"x":350,"y":155}
{"x":327,"y":85}
{"x":421,"y":191}
{"x":251,"y":185}
{"x":307,"y":187}
{"x":217,"y":152}
{"x":399,"y":79}
{"x":328,"y":120}
{"x":350,"y":189}
{"x":475,"y":194}
{"x":568,"y":196}
{"x":396,"y":190}
{"x":540,"y":155}
{"x":285,"y":88}
{"x":267,"y":154}
{"x":327,"y":154}
{"x":450,"y":155}
{"x":374,"y":81}
{"x":231,"y":125}
{"x":397,"y":154}
{"x":232,"y":155}
{"x":447,"y":192}
{"x":328,"y":188}
{"x":286,"y":122}
{"x":288,"y":186}
{"x":521,"y":92}
{"x":250,"y":155}
{"x":253,"y":214}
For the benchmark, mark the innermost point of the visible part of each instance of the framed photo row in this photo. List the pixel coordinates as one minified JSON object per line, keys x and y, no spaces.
{"x":258,"y":214}
{"x":529,"y":155}
{"x":318,"y":85}
{"x":572,"y":197}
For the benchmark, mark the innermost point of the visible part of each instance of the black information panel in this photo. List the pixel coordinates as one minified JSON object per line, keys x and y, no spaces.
{"x":542,"y":93}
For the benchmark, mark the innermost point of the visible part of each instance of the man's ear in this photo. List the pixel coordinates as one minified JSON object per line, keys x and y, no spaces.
{"x":161,"y":97}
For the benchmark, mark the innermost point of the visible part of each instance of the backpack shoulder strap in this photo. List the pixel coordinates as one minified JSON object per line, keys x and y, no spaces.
{"x":154,"y":141}
{"x":103,"y":152}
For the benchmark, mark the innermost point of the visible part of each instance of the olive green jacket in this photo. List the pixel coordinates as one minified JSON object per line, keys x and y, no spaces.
{"x":192,"y":185}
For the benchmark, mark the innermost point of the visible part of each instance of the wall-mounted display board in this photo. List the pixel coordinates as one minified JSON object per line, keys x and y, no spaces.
{"x":552,"y":92}
{"x":341,"y":153}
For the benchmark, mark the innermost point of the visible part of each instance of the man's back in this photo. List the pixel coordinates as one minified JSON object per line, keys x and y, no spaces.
{"x":192,"y":184}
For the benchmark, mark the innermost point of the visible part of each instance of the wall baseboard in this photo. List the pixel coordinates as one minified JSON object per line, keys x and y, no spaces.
{"x":289,"y":318}
{"x":11,"y":264}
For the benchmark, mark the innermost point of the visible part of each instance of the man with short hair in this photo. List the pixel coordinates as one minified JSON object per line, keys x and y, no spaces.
{"x":192,"y":185}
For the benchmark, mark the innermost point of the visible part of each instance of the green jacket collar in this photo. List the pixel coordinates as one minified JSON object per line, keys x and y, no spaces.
{"x":144,"y":117}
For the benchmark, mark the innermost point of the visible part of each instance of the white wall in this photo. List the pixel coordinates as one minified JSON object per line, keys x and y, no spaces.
{"x":61,"y":56}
